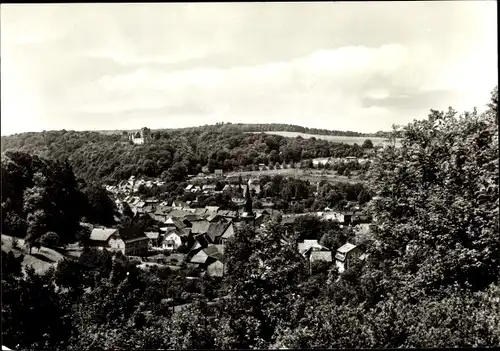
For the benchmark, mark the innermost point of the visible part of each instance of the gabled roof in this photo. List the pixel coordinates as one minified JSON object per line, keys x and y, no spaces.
{"x":131,"y":233}
{"x":140,"y":204}
{"x":179,"y":213}
{"x":200,"y":211}
{"x":189,"y":187}
{"x":102,"y":234}
{"x":216,"y":229}
{"x":306,"y":245}
{"x":202,"y":239}
{"x":192,"y":218}
{"x":200,"y":257}
{"x":179,"y":224}
{"x":346,"y":248}
{"x":195,"y":246}
{"x":152,"y":235}
{"x":228,"y":232}
{"x":173,"y":231}
{"x":212,"y":217}
{"x":215,"y":251}
{"x":200,"y":227}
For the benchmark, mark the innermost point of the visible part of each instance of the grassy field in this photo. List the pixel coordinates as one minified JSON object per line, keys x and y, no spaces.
{"x":305,"y":174}
{"x":41,"y":259}
{"x":339,"y":139}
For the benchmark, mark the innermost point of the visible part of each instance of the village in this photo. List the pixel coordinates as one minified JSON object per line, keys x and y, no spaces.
{"x":194,"y":237}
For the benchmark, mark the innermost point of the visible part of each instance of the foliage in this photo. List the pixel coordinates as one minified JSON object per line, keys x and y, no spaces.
{"x":430,"y":279}
{"x":171,"y":155}
{"x":437,"y":202}
{"x":49,"y":239}
{"x":40,"y":196}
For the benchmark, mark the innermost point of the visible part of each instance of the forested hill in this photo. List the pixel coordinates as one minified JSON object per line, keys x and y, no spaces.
{"x":263,"y":127}
{"x":170,"y":154}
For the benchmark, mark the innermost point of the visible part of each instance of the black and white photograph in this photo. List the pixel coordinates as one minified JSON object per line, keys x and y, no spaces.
{"x":249,"y":175}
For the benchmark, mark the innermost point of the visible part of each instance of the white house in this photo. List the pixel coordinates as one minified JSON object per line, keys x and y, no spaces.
{"x":130,"y":241}
{"x":345,"y":256}
{"x":171,"y":241}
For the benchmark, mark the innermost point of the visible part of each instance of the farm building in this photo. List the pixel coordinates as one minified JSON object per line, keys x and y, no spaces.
{"x":131,"y":241}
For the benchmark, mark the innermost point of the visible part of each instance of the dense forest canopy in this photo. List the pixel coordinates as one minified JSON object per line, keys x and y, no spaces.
{"x":171,"y":155}
{"x":41,"y":196}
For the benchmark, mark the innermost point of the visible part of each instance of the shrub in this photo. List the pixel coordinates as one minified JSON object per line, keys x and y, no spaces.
{"x":49,"y":239}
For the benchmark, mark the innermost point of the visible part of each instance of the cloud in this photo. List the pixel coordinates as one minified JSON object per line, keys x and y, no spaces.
{"x":326,"y":65}
{"x":322,"y":83}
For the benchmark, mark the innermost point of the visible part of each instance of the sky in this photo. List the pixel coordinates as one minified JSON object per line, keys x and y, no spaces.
{"x":359,"y":66}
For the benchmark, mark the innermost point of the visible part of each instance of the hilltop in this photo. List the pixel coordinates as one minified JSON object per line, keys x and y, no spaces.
{"x":260,"y":128}
{"x":174,"y":154}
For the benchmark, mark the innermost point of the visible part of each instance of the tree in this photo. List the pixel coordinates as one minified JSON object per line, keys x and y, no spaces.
{"x":127,"y":211}
{"x":363,"y":197}
{"x":100,"y":208}
{"x":262,"y":285}
{"x":367,"y":144}
{"x":36,"y":227}
{"x":49,"y":239}
{"x":439,"y":204}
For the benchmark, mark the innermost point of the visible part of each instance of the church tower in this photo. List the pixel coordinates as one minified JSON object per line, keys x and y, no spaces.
{"x":248,"y":216}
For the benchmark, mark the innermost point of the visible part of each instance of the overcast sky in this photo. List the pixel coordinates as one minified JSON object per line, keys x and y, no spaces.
{"x":348,"y":66}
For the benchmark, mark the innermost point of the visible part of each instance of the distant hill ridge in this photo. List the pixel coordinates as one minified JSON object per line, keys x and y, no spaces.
{"x":262,"y":127}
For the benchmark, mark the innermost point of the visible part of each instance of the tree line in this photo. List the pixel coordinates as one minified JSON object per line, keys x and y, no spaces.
{"x":171,"y":155}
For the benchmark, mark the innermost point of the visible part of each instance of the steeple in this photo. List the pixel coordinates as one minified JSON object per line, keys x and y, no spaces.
{"x":248,"y":204}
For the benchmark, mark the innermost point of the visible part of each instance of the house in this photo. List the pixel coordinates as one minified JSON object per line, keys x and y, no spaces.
{"x":215,"y":231}
{"x":334,"y":216}
{"x":268,"y":204}
{"x":179,"y":204}
{"x":172,"y":240}
{"x":212,"y":259}
{"x":214,"y":217}
{"x":212,"y":208}
{"x":259,"y":219}
{"x":200,"y":227}
{"x":320,"y":256}
{"x":131,"y":241}
{"x":208,"y":188}
{"x":218,"y":171}
{"x":307,"y":246}
{"x":345,"y":256}
{"x":153,"y":238}
{"x":161,"y":213}
{"x":226,"y":235}
{"x":176,"y":258}
{"x":189,"y":187}
{"x":230,"y":188}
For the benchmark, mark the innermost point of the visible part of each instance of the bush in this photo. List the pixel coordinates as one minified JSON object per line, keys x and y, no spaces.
{"x":15,"y":242}
{"x":49,"y":239}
